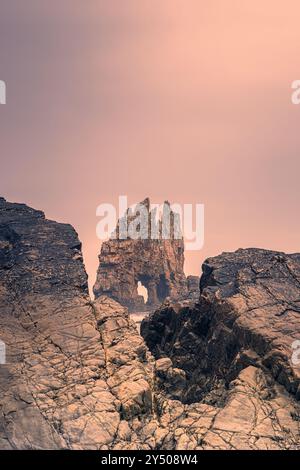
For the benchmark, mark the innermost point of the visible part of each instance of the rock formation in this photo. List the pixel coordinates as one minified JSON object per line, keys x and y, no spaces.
{"x":233,"y":349}
{"x":78,"y":375}
{"x":156,"y":263}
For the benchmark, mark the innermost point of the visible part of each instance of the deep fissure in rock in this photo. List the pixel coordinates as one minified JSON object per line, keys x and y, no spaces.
{"x":186,"y":336}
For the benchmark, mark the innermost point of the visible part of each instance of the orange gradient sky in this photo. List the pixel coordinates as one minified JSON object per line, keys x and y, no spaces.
{"x":185,"y":100}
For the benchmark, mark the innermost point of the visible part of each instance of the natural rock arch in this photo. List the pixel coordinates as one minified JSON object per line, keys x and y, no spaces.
{"x":157,"y":264}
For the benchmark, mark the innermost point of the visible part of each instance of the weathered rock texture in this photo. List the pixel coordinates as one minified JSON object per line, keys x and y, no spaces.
{"x":67,"y":382}
{"x":79,"y":376}
{"x":234,"y":348}
{"x":157,"y":264}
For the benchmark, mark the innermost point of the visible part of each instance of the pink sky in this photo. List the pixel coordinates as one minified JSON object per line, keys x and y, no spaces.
{"x":184,"y":100}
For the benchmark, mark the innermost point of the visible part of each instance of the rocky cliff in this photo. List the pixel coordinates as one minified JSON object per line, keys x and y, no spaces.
{"x":77,"y":374}
{"x":234,"y":348}
{"x":155,"y":263}
{"x":67,"y":382}
{"x":248,"y":314}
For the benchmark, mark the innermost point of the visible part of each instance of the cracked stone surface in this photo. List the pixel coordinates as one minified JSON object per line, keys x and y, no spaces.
{"x":79,"y":376}
{"x":234,"y":347}
{"x":67,"y":381}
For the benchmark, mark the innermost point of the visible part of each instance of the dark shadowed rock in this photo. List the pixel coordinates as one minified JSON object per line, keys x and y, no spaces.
{"x":193,"y":287}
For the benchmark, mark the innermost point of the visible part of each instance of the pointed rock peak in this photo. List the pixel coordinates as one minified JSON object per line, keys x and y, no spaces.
{"x":146,"y":203}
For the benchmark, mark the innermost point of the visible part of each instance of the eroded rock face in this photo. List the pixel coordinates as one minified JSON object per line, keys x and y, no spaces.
{"x":238,"y":335}
{"x":68,"y":381}
{"x":79,"y":376}
{"x":156,"y":264}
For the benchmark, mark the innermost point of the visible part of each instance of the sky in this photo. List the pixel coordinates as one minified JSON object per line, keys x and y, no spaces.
{"x":184,"y":100}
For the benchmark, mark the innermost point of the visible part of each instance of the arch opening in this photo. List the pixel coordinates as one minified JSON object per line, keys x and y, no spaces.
{"x":142,"y":291}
